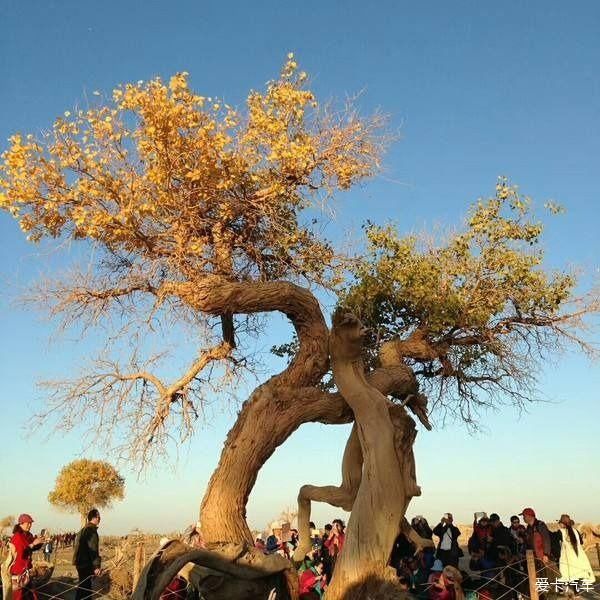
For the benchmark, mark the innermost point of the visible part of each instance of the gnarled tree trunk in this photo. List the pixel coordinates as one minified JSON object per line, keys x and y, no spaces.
{"x":278,"y":407}
{"x":266,"y":420}
{"x":388,"y":481}
{"x":263,"y":423}
{"x":341,"y":496}
{"x":227,"y":572}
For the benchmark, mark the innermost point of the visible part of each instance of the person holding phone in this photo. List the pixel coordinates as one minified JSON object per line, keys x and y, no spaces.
{"x":448,"y":550}
{"x":21,"y":547}
{"x":312,"y":582}
{"x":335,"y":540}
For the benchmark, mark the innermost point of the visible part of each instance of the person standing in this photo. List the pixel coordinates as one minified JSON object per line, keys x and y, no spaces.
{"x":574,"y":563}
{"x":48,"y":549}
{"x":86,"y":555}
{"x":324,"y":551}
{"x":517,"y":530}
{"x":537,"y":536}
{"x":22,"y":546}
{"x":538,"y":539}
{"x":448,"y":550}
{"x":401,"y":551}
{"x":335,"y":541}
{"x":502,"y":546}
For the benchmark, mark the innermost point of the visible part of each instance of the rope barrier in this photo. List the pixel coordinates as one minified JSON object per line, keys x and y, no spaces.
{"x":491,"y":577}
{"x":509,"y":589}
{"x":68,"y":587}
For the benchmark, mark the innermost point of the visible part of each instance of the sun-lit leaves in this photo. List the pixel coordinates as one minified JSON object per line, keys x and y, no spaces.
{"x":85,"y":484}
{"x":468,"y":281}
{"x":178,"y":193}
{"x":165,"y":174}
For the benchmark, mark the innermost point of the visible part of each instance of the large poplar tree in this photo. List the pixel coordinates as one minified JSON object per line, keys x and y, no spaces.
{"x":208,"y":217}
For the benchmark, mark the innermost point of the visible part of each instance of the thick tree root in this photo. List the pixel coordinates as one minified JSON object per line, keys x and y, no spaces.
{"x":228,"y":572}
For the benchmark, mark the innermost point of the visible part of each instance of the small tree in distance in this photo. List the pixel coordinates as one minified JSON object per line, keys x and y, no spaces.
{"x":85,"y":484}
{"x":6,"y":522}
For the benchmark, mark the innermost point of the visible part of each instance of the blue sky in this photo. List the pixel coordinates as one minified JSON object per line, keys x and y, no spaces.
{"x":476,"y":90}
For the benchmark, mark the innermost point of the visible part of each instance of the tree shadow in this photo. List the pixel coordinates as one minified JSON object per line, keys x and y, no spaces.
{"x":375,"y":588}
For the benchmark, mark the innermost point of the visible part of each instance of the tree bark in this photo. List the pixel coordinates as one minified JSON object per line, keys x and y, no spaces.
{"x":265,"y":421}
{"x":230,"y":572}
{"x":279,"y":406}
{"x":388,"y":479}
{"x":262,"y":425}
{"x":343,"y":496}
{"x":215,"y":296}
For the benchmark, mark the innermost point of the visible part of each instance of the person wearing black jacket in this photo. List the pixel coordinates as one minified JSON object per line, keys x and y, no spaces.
{"x":403,"y":549}
{"x":448,"y":550}
{"x":86,"y":555}
{"x":421,"y":526}
{"x":502,"y":545}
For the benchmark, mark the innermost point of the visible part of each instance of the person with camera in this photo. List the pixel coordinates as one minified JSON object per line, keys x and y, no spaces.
{"x":312,"y":582}
{"x":335,"y":542}
{"x":22,"y":545}
{"x":448,"y":550}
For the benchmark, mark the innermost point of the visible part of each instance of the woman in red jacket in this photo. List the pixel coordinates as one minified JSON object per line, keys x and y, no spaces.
{"x":312,"y":582}
{"x":335,"y":540}
{"x":22,"y":546}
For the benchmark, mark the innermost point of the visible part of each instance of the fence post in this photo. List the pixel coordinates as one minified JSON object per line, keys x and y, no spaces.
{"x":598,"y":553}
{"x":532,"y":575}
{"x":138,"y":563}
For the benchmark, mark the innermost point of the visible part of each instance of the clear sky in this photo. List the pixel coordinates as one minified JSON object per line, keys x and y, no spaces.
{"x":477,"y":89}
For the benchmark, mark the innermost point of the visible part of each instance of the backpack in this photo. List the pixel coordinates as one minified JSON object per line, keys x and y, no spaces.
{"x":272,"y":543}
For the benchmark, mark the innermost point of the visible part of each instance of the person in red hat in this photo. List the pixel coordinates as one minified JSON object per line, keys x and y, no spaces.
{"x":537,"y":536}
{"x":22,"y":546}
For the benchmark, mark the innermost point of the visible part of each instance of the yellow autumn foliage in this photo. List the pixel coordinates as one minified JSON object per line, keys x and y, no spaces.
{"x":85,"y":484}
{"x":165,"y":174}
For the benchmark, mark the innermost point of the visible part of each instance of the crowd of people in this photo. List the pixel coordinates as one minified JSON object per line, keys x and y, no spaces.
{"x":496,"y":556}
{"x":427,"y":565}
{"x":18,"y":565}
{"x":52,"y":542}
{"x":432,"y":569}
{"x":316,"y":568}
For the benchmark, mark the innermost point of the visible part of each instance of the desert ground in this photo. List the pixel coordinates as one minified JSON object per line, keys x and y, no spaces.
{"x":118,"y":561}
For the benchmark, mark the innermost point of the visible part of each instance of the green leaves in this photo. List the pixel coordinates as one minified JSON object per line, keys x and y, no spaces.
{"x":479,"y":301}
{"x":468,"y":281}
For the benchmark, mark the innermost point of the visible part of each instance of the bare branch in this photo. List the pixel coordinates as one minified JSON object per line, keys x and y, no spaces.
{"x":135,"y":407}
